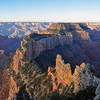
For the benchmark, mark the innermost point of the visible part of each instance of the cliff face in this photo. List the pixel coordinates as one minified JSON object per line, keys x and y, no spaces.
{"x":38,"y":44}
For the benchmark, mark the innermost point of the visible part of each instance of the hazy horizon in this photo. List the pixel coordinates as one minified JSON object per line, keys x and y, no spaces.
{"x":49,"y":11}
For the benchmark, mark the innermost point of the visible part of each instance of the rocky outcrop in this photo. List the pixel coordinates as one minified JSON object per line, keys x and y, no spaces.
{"x":4,"y":85}
{"x":13,"y":88}
{"x":8,"y":86}
{"x":81,"y":78}
{"x":17,"y":60}
{"x":63,"y":71}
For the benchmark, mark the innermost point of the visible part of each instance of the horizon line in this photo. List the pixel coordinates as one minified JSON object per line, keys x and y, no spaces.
{"x":53,"y":21}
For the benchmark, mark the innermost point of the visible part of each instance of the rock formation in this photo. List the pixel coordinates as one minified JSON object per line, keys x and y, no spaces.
{"x":63,"y":71}
{"x":17,"y":60}
{"x":78,"y":31}
{"x":82,"y":76}
{"x":25,"y":77}
{"x":40,"y":43}
{"x":61,"y":74}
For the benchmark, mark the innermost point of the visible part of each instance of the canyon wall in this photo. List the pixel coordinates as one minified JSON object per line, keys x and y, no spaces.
{"x":37,"y":45}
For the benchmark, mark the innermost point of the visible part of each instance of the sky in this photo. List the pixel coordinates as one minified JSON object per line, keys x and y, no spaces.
{"x":50,"y":10}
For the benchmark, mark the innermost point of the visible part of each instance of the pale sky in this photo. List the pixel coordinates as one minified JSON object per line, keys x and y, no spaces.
{"x":50,"y":10}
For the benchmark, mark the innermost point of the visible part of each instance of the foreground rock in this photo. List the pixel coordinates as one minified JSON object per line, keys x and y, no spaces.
{"x":28,"y":79}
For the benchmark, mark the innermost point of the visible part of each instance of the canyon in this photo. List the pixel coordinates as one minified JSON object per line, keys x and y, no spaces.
{"x":63,"y":58}
{"x":11,"y":33}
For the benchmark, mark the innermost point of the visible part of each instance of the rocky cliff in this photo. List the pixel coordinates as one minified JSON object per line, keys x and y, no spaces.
{"x":39,"y":43}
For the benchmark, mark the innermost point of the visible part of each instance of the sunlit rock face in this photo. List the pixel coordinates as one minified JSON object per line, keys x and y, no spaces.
{"x":8,"y":86}
{"x":16,"y":61}
{"x":64,"y":71}
{"x":81,"y":78}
